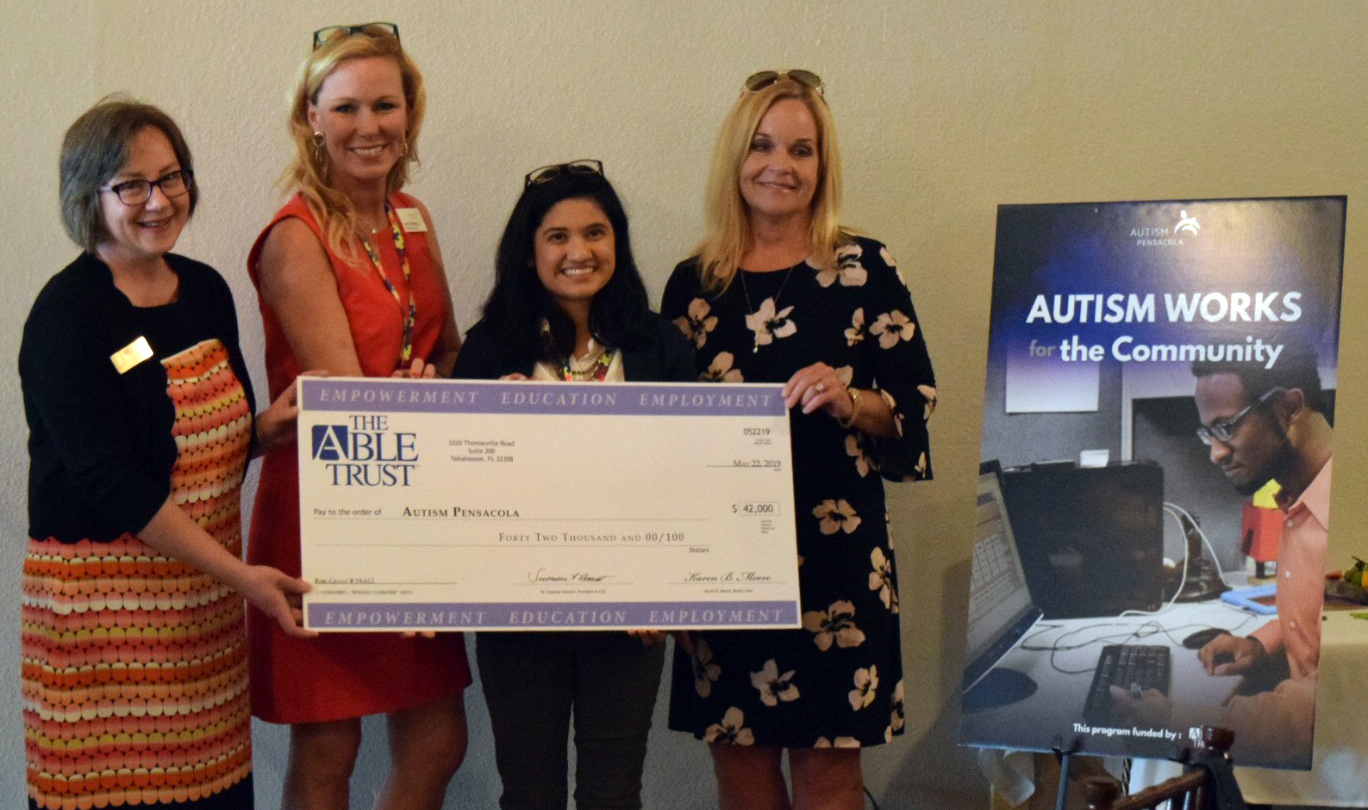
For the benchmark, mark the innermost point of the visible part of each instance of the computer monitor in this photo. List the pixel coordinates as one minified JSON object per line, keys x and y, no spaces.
{"x":1091,"y":538}
{"x":1001,"y":610}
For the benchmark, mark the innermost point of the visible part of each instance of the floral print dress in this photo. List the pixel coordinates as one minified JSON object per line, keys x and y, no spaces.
{"x":837,"y":681}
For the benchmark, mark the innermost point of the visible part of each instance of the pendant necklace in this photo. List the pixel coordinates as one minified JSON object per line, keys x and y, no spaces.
{"x":755,"y":347}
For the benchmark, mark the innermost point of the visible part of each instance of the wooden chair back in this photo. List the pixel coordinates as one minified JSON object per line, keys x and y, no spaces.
{"x":1208,"y":784}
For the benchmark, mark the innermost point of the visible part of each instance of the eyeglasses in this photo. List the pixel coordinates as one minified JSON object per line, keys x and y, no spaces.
{"x":546,"y":174}
{"x":763,"y":79}
{"x":374,"y":30}
{"x":137,"y":192}
{"x":1224,"y":430}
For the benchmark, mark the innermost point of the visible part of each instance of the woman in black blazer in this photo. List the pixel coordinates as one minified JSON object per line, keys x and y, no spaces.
{"x":568,"y":304}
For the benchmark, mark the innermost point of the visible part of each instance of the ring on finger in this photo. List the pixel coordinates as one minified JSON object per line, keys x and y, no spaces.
{"x":820,"y":387}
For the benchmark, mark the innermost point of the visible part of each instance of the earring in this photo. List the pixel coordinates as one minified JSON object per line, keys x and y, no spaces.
{"x":317,"y":144}
{"x":404,"y":151}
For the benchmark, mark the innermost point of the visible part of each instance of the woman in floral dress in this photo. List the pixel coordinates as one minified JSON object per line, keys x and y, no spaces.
{"x":779,"y":292}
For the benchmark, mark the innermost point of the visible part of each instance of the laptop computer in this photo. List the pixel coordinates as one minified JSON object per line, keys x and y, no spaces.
{"x":1001,"y":610}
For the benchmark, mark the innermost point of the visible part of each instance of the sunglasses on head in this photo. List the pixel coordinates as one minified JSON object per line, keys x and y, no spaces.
{"x":374,"y":30}
{"x":546,"y":174}
{"x":763,"y":79}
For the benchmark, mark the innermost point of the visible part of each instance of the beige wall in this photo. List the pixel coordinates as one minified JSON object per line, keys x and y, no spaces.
{"x":946,"y":109}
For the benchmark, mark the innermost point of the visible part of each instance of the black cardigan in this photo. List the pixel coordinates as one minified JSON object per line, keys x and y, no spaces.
{"x":100,"y":443}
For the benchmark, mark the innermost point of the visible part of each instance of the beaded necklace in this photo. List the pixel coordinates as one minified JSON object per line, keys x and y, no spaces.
{"x":595,"y":373}
{"x":411,"y":311}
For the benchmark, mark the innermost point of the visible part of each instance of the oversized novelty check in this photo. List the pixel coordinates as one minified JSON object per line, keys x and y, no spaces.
{"x":443,"y":504}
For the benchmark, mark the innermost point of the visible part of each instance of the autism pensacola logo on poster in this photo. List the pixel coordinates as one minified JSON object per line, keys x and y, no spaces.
{"x":1166,"y":237}
{"x":364,"y":453}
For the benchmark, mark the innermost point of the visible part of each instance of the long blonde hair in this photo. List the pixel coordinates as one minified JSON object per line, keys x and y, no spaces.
{"x":309,"y":172}
{"x":726,"y":224}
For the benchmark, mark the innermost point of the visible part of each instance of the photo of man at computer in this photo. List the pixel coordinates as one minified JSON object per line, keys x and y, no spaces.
{"x":1157,"y":434}
{"x":1266,"y":424}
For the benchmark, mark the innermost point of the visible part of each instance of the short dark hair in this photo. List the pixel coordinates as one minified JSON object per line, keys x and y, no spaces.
{"x":1295,"y":368}
{"x":619,"y":316}
{"x":93,"y":151}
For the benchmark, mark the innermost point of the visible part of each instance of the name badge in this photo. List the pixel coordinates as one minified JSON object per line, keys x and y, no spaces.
{"x":131,"y":355}
{"x":412,"y":220}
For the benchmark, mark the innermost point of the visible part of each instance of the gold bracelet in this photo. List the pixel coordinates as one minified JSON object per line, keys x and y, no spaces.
{"x":856,"y":399}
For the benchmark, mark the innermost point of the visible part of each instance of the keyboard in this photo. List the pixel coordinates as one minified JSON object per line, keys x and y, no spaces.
{"x":1128,"y":666}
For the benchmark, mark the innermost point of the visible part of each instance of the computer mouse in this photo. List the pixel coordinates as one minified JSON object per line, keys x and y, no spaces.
{"x":1199,"y":639}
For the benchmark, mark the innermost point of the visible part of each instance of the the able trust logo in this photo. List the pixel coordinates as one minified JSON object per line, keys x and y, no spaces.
{"x":1187,"y":224}
{"x":363,"y":452}
{"x":329,"y":442}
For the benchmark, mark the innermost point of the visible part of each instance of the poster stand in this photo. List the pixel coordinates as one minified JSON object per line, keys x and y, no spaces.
{"x":1065,"y":757}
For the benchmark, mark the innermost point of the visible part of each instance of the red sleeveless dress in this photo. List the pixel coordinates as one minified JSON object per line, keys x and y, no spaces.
{"x":343,"y":675}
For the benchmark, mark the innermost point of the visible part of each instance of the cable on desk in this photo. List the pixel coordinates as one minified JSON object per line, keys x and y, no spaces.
{"x":1178,"y":513}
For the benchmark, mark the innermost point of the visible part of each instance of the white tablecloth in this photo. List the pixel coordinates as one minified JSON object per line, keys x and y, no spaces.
{"x":1339,"y":769}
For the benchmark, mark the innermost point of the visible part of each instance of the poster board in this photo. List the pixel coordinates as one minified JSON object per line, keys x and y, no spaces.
{"x":1102,"y":317}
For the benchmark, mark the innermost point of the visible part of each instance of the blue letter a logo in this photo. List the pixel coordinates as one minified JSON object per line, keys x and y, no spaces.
{"x":330,"y":442}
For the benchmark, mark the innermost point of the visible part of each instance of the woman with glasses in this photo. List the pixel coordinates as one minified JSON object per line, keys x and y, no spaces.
{"x":780,"y":292}
{"x":351,"y":282}
{"x":140,"y":422}
{"x":569,"y":305}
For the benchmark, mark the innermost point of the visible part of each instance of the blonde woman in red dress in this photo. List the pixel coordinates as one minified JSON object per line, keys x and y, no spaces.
{"x":351,"y":282}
